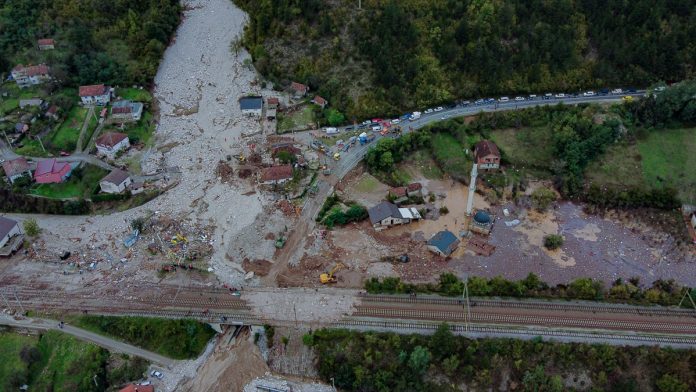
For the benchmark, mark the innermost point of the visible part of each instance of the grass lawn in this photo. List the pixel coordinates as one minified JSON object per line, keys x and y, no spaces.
{"x":90,"y":130}
{"x":367,"y":184}
{"x":8,"y":104}
{"x":449,"y":154}
{"x":297,"y":119}
{"x":178,"y":339}
{"x":65,"y":137}
{"x":423,"y":161}
{"x":663,"y":158}
{"x":10,"y":346}
{"x":134,"y":94}
{"x":80,"y":184}
{"x":31,"y":148}
{"x":142,"y":131}
{"x":526,"y":148}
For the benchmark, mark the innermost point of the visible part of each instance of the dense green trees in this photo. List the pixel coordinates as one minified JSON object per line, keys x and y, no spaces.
{"x":403,"y":54}
{"x":115,"y":42}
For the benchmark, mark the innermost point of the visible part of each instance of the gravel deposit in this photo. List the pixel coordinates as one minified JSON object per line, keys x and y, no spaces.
{"x":289,"y":304}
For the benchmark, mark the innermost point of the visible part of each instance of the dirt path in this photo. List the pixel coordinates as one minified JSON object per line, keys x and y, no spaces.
{"x":83,"y":131}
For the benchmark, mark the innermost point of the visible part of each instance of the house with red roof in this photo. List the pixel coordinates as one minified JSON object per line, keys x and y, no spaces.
{"x":272,"y":103}
{"x":52,"y":112}
{"x":31,"y":75}
{"x":320,"y":101}
{"x":298,"y":90}
{"x":487,"y":155}
{"x":46,"y":44}
{"x":276,"y":175}
{"x":110,"y":143}
{"x":50,"y":171}
{"x":126,"y":110}
{"x":96,"y":94}
{"x":16,"y":168}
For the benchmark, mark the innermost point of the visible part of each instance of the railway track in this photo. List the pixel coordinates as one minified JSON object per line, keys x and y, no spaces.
{"x":539,"y":305}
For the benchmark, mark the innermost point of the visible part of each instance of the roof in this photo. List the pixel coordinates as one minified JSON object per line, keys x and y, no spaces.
{"x":482,"y":217}
{"x":409,"y":213}
{"x":272,"y":101}
{"x":48,"y":166}
{"x":276,"y":173}
{"x":251,"y":103}
{"x":93,"y":90}
{"x":443,"y":241}
{"x":15,"y":166}
{"x":138,"y":388}
{"x":52,"y":110}
{"x":122,"y":107}
{"x":383,"y":210}
{"x":21,"y":127}
{"x":6,"y":225}
{"x":416,"y":186}
{"x":111,"y":139}
{"x":116,"y":177}
{"x":398,"y":191}
{"x":485,"y":148}
{"x":46,"y":41}
{"x":32,"y":70}
{"x":30,"y":102}
{"x":319,"y":100}
{"x":299,"y":87}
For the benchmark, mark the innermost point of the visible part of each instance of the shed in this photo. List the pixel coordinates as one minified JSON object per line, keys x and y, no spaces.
{"x":252,"y":105}
{"x":443,"y":243}
{"x":115,"y":182}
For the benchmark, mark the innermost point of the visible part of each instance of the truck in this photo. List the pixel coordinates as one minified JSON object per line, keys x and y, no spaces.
{"x":415,"y":116}
{"x":365,"y":138}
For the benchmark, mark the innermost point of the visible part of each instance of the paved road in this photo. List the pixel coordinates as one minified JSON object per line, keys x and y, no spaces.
{"x":107,"y":343}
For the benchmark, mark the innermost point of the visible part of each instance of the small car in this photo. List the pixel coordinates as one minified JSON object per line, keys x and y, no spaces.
{"x":519,"y":98}
{"x":438,"y":109}
{"x":156,"y":374}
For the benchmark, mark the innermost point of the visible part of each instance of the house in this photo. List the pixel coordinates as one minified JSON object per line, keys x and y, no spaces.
{"x":8,"y":229}
{"x":298,"y":90}
{"x":52,"y":112}
{"x":276,"y":175}
{"x":487,"y":155}
{"x":138,"y":388}
{"x":21,"y":128}
{"x":251,"y":106}
{"x":320,"y":101}
{"x":272,"y":103}
{"x":35,"y":102}
{"x":50,"y":171}
{"x":414,"y":189}
{"x":47,"y":44}
{"x":402,"y":193}
{"x":31,"y":75}
{"x":386,"y":214}
{"x":443,"y":243}
{"x":482,"y":223}
{"x":16,"y":168}
{"x":96,"y":94}
{"x":110,"y":143}
{"x":115,"y":182}
{"x":126,"y":110}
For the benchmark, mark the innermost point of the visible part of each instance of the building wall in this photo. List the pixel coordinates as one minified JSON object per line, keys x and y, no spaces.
{"x":96,"y":99}
{"x":111,"y":152}
{"x":251,"y":112}
{"x":108,"y":187}
{"x":13,"y":232}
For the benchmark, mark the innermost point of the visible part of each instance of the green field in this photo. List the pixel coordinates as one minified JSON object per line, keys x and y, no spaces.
{"x":142,"y":131}
{"x":8,"y":104}
{"x":65,"y":137}
{"x":526,"y":148}
{"x":31,"y":148}
{"x":662,"y":158}
{"x":298,"y":119}
{"x":134,"y":94}
{"x":80,"y":184}
{"x":10,"y":347}
{"x":367,"y":184}
{"x":450,"y":155}
{"x":423,"y":161}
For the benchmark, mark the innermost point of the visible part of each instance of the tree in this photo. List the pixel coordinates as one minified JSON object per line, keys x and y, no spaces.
{"x":442,"y":343}
{"x":334,"y":117}
{"x":542,"y":198}
{"x":31,"y":227}
{"x":386,"y":162}
{"x":138,"y":224}
{"x":553,"y":241}
{"x":419,"y":359}
{"x":669,"y":383}
{"x":538,"y":381}
{"x":286,"y":157}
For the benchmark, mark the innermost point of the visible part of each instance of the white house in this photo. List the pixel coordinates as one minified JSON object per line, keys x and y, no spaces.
{"x":97,"y":94}
{"x":126,"y":111}
{"x":8,"y":229}
{"x":31,"y":75}
{"x":110,"y":143}
{"x":115,"y":182}
{"x":251,"y":105}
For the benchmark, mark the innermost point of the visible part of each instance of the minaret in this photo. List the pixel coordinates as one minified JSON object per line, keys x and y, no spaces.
{"x":472,"y":188}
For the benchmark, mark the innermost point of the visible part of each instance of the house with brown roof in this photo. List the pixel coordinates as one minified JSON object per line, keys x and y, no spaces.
{"x":126,"y":110}
{"x":487,"y":155}
{"x":96,"y":94}
{"x":402,"y":193}
{"x":115,"y":182}
{"x":110,"y":143}
{"x":52,"y":112}
{"x":46,"y":44}
{"x":272,"y":103}
{"x":276,"y":175}
{"x":298,"y":90}
{"x":16,"y":168}
{"x":317,"y":100}
{"x":31,"y":75}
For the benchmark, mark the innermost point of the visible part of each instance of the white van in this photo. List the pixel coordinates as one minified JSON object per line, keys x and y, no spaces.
{"x":331,"y":130}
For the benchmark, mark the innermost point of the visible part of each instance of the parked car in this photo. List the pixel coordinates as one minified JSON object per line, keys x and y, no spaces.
{"x":479,"y":102}
{"x":366,"y":122}
{"x":548,"y":96}
{"x":589,"y":94}
{"x":519,"y":98}
{"x":376,"y":128}
{"x":660,"y":88}
{"x":438,"y":109}
{"x":428,"y":111}
{"x":504,"y":99}
{"x":465,"y":103}
{"x":560,"y":95}
{"x":532,"y":97}
{"x":157,"y":374}
{"x":617,"y":91}
{"x":395,"y":121}
{"x":349,"y":129}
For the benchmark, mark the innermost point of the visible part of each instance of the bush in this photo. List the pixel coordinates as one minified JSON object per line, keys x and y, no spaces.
{"x":542,"y":198}
{"x":31,"y":227}
{"x":444,"y":210}
{"x":270,"y":334}
{"x":553,"y":241}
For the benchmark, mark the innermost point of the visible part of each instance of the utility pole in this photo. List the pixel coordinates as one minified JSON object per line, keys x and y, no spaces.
{"x":465,"y":297}
{"x":14,"y":291}
{"x":687,"y":293}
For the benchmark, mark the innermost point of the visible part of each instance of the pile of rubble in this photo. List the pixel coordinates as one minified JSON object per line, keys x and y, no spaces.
{"x":178,"y":240}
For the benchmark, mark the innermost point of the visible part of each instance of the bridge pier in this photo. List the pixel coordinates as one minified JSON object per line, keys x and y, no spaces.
{"x":217,"y":327}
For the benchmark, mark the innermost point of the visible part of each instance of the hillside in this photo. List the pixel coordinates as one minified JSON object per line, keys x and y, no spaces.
{"x":115,"y":42}
{"x":395,"y":55}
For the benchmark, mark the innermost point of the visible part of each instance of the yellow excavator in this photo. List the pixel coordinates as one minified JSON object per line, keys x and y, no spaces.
{"x":241,"y":158}
{"x":330,"y":278}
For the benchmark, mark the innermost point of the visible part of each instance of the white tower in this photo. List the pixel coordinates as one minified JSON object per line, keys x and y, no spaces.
{"x":472,"y":189}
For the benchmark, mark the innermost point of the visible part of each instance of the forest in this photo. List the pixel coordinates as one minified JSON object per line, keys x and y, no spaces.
{"x":394,"y":55}
{"x":368,"y":361}
{"x":114,"y":42}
